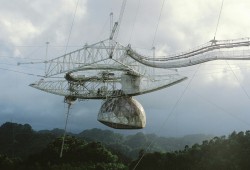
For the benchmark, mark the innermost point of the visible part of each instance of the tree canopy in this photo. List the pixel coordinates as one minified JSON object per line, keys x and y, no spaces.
{"x":23,"y":148}
{"x":220,"y":153}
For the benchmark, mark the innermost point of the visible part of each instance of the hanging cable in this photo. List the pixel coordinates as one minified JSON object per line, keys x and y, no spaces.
{"x":115,"y":31}
{"x":69,"y":102}
{"x":162,"y":5}
{"x":169,"y":115}
{"x":65,"y":130}
{"x":243,"y":89}
{"x":222,"y":109}
{"x":120,"y":19}
{"x":23,"y":58}
{"x":46,"y":58}
{"x":71,"y":26}
{"x":30,"y":74}
{"x":98,"y":37}
{"x":218,"y":19}
{"x":132,"y":31}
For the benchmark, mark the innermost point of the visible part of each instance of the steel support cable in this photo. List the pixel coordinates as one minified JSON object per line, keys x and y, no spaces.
{"x":132,"y":31}
{"x":115,"y":30}
{"x":21,"y":66}
{"x":221,"y":108}
{"x":120,"y":19}
{"x":169,"y":115}
{"x":162,"y":5}
{"x":218,"y":19}
{"x":22,"y":58}
{"x":71,"y":27}
{"x":65,"y":130}
{"x":30,"y":74}
{"x":46,"y":58}
{"x":67,"y":44}
{"x":103,"y":29}
{"x":220,"y":70}
{"x":66,"y":122}
{"x":9,"y":64}
{"x":243,"y":89}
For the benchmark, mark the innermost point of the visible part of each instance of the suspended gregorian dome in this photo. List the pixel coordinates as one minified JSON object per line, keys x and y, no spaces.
{"x":122,"y":113}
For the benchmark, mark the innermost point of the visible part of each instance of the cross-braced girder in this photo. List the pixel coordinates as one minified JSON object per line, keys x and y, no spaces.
{"x":88,"y":56}
{"x":214,"y":50}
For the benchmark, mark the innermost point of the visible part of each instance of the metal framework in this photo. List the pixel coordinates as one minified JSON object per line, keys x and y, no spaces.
{"x":115,"y":73}
{"x":237,"y":49}
{"x":108,"y":69}
{"x":93,"y":73}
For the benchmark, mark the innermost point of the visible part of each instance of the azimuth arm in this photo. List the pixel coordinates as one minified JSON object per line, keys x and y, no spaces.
{"x":213,"y":50}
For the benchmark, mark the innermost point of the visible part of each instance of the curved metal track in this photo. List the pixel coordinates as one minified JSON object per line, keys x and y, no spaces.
{"x":213,"y":50}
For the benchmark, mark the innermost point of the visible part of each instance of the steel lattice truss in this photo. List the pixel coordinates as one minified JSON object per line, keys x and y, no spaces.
{"x":110,"y":71}
{"x":237,"y":49}
{"x":103,"y":70}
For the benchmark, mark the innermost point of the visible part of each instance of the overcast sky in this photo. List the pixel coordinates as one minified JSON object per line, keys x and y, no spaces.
{"x":215,"y":102}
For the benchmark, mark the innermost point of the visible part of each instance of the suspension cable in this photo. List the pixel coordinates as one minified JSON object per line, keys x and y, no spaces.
{"x":69,"y":104}
{"x":120,"y":19}
{"x":132,"y":31}
{"x":46,"y":58}
{"x":218,"y":19}
{"x":212,"y":103}
{"x":169,"y":115}
{"x":71,"y":27}
{"x":162,"y":5}
{"x":243,"y":89}
{"x":65,"y":130}
{"x":21,"y":72}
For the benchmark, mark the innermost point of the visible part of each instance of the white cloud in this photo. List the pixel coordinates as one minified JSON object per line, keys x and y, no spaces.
{"x":184,"y":24}
{"x":19,"y":30}
{"x":227,"y":74}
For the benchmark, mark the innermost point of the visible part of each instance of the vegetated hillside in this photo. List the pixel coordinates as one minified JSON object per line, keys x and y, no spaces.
{"x":132,"y":144}
{"x":77,"y":154}
{"x":220,"y":153}
{"x":21,"y":140}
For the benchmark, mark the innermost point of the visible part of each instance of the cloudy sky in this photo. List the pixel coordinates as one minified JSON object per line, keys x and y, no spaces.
{"x":216,"y":100}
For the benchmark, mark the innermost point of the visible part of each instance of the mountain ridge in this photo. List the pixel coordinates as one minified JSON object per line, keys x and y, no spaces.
{"x":22,"y":140}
